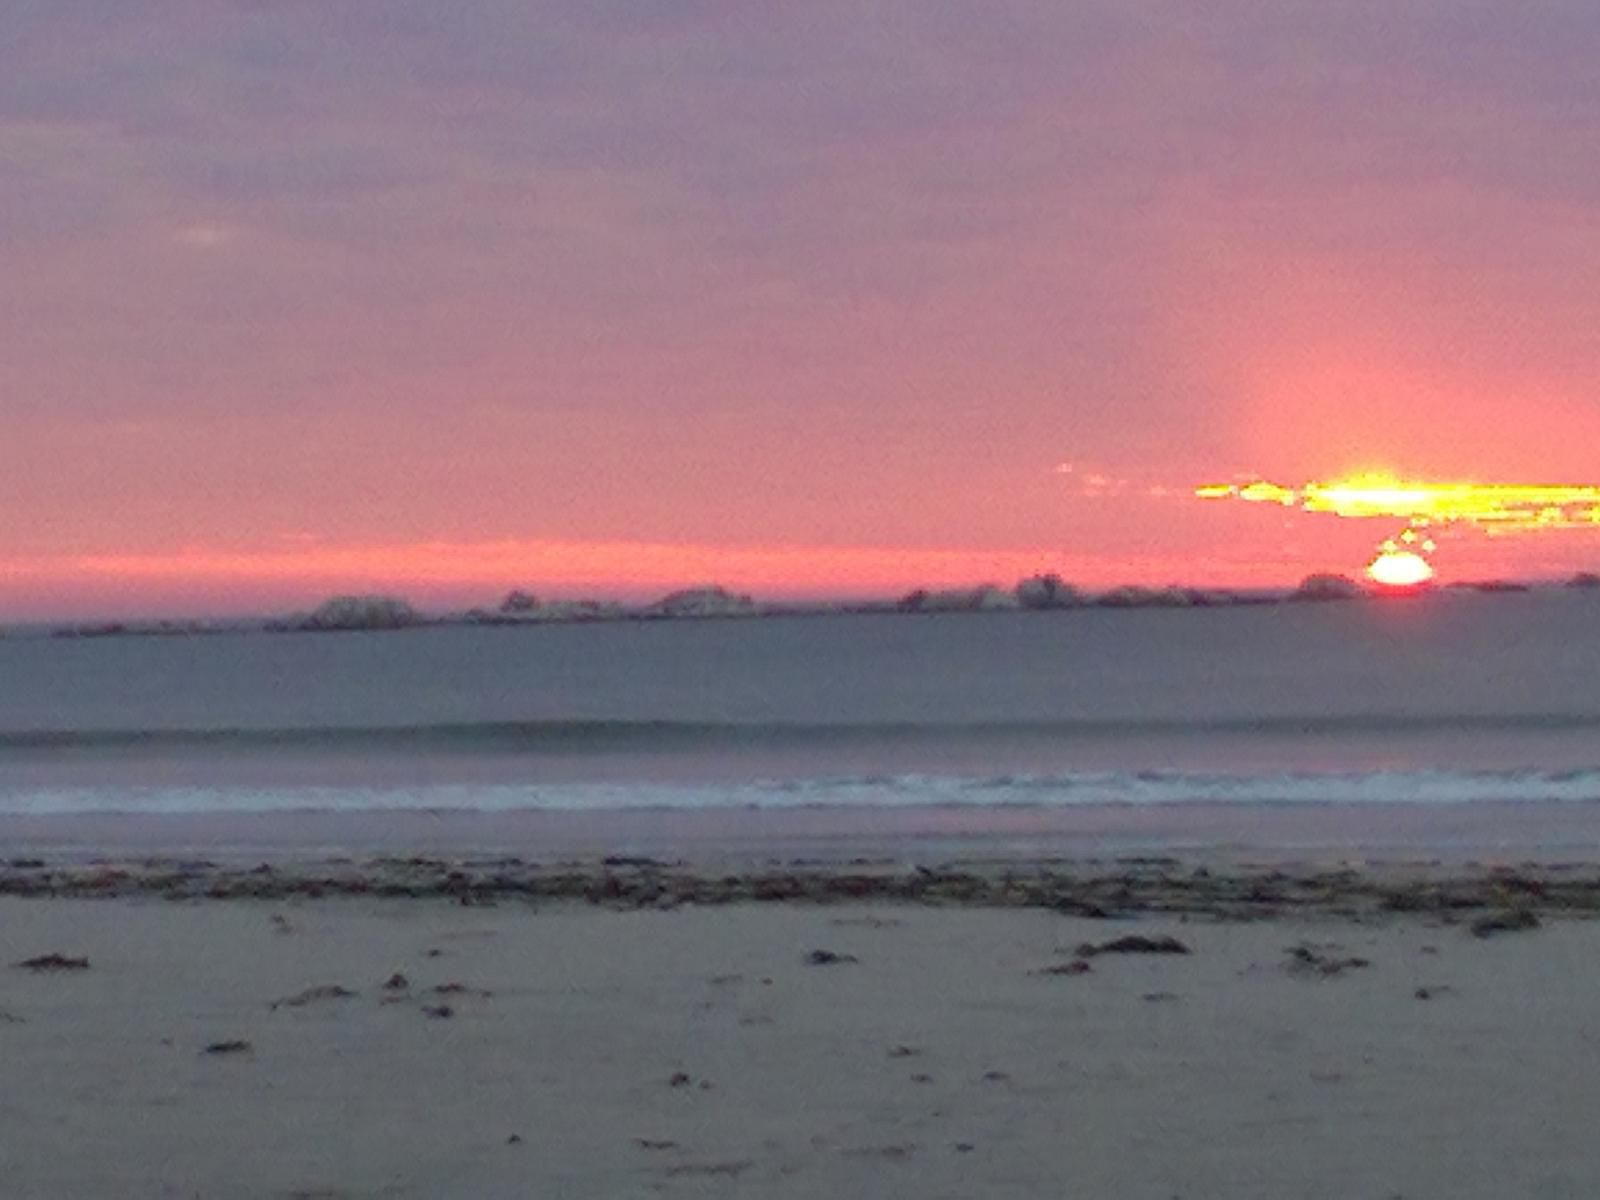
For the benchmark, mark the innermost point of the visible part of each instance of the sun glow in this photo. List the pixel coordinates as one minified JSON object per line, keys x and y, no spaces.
{"x":1400,"y":569}
{"x":1497,"y":509}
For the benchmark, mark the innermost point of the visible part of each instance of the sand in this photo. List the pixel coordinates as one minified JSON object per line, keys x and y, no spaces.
{"x":697,"y":1052}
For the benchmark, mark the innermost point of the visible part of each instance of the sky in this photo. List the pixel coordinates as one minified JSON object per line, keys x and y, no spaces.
{"x":816,"y":299}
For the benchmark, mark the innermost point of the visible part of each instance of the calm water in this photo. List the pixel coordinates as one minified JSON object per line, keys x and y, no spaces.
{"x":1436,"y":700}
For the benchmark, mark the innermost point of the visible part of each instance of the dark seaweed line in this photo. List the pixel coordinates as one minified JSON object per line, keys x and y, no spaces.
{"x":1226,"y":894}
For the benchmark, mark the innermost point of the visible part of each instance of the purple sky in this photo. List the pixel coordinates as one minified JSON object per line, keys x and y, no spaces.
{"x":311,"y":278}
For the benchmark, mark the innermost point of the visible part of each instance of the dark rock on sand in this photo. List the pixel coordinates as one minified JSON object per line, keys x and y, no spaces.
{"x":1074,"y":907}
{"x":1135,"y":944}
{"x":460,"y":989}
{"x":1306,"y":959}
{"x":313,"y":996}
{"x":396,"y":983}
{"x":1513,"y":920}
{"x":53,"y":962}
{"x":438,"y":1012}
{"x":1077,"y":966}
{"x":237,"y":1046}
{"x":828,"y":958}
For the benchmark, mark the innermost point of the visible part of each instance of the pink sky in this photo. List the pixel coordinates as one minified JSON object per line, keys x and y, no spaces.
{"x":450,"y":299}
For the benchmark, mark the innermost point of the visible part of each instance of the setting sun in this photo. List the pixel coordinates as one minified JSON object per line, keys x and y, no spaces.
{"x":1400,"y":569}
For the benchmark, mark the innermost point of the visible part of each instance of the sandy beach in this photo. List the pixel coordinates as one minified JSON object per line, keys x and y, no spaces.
{"x":1345,"y":1036}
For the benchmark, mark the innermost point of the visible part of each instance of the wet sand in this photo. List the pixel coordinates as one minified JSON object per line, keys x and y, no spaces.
{"x":650,"y":1030}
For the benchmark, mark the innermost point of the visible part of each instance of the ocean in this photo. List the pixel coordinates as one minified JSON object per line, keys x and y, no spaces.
{"x":1402,"y":721}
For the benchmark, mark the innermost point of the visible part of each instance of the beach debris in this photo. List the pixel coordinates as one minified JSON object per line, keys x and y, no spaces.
{"x":828,"y":958}
{"x":1077,"y":966}
{"x":904,"y":1051}
{"x":725,"y":1169}
{"x":1072,"y":906}
{"x":455,"y":988}
{"x":396,"y":983}
{"x":10,"y":1018}
{"x":438,"y":1012}
{"x":964,"y":1147}
{"x":922,"y":1077}
{"x":996,"y":1077}
{"x":281,"y":923}
{"x":1429,"y":992}
{"x":235,"y":1046}
{"x":1134,"y":943}
{"x":1320,"y":961}
{"x":514,"y":1140}
{"x":894,"y":1151}
{"x":1159,"y":997}
{"x":53,"y":962}
{"x":679,"y":1079}
{"x":314,"y":995}
{"x":1513,"y":920}
{"x":655,"y":1143}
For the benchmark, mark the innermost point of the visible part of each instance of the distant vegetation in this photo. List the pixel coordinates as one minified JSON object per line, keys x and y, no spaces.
{"x":1039,"y":593}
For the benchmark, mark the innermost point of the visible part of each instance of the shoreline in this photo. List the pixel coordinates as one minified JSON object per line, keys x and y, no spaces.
{"x":1102,"y":890}
{"x":1214,"y":834}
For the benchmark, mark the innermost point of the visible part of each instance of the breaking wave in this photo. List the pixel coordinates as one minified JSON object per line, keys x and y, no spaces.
{"x":620,"y":736}
{"x":1141,"y":788}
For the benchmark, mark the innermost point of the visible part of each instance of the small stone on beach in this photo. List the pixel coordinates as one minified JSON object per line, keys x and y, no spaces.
{"x":438,"y":1012}
{"x":454,"y":988}
{"x":314,"y":995}
{"x":1513,"y":920}
{"x":1306,"y":959}
{"x":53,"y":962}
{"x":1077,"y":966}
{"x":828,"y":958}
{"x":396,"y":983}
{"x":1134,"y":944}
{"x":237,"y":1046}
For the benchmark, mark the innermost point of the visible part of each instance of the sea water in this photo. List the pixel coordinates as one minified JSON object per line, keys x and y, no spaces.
{"x":1431,"y":702}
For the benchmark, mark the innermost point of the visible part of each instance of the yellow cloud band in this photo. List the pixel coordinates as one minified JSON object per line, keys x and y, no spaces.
{"x":1494,"y":507}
